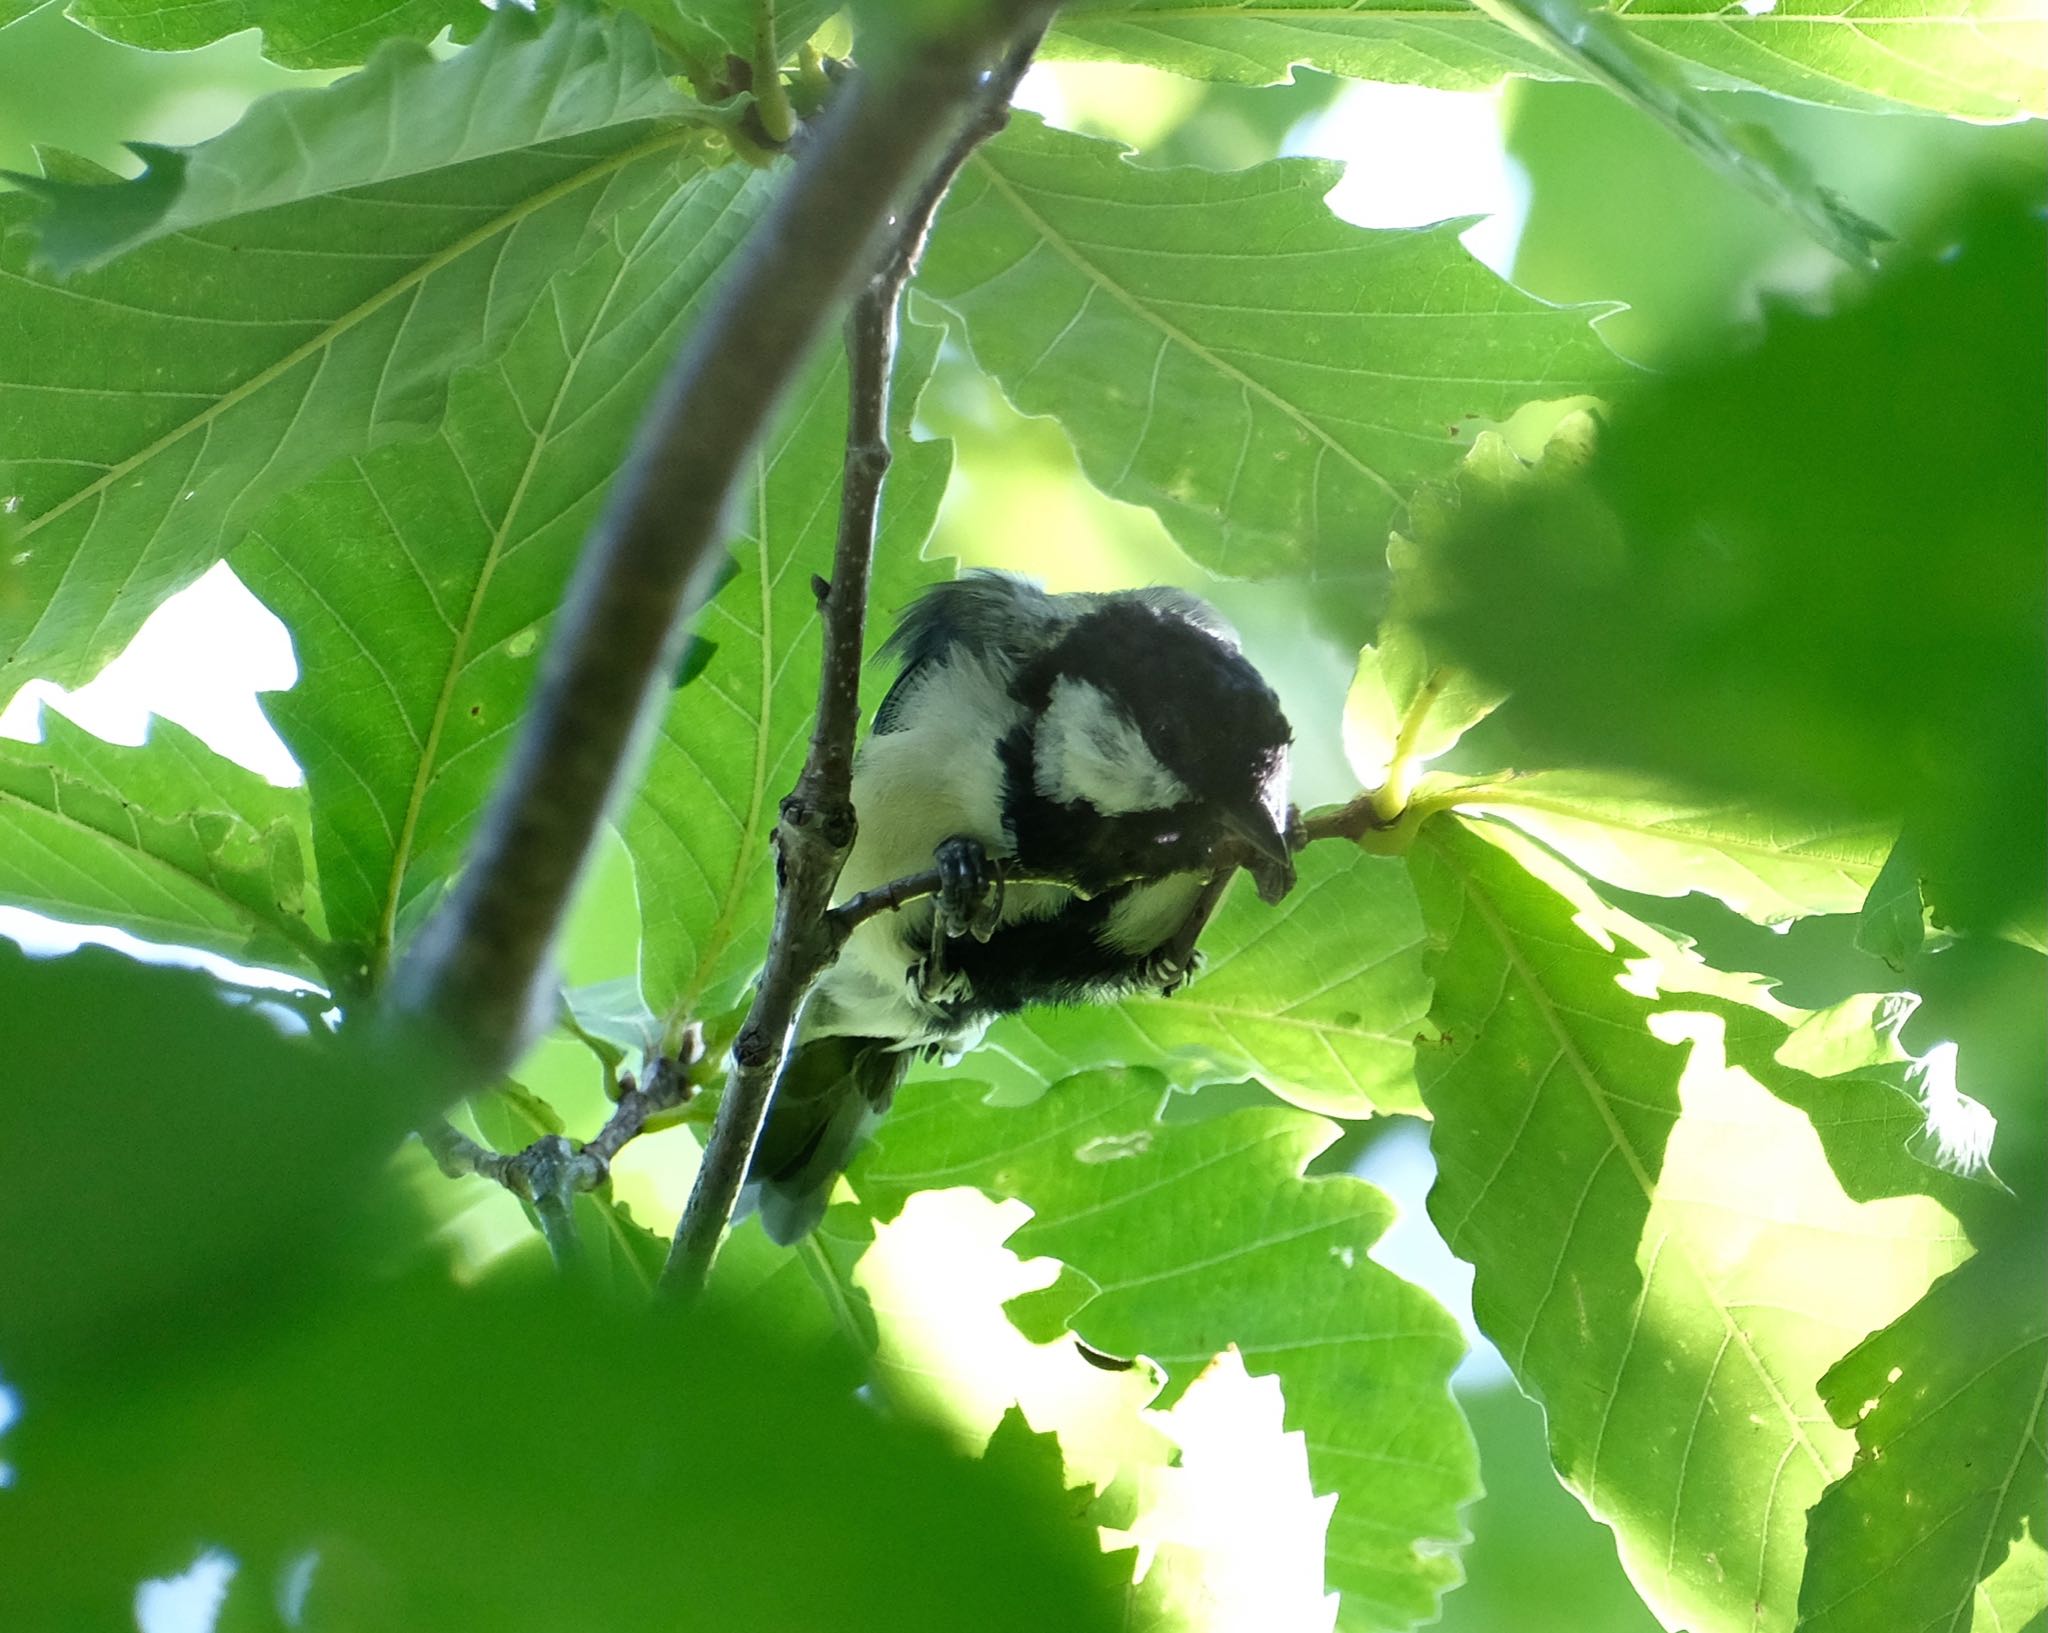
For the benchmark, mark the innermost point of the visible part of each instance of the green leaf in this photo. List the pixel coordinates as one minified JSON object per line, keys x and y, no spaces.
{"x":418,"y":581}
{"x":296,"y":33}
{"x":709,"y":29}
{"x":1663,"y":1251}
{"x":1728,"y":605}
{"x":1319,"y":998}
{"x":1269,"y":379}
{"x":1893,"y":926}
{"x":168,"y":841}
{"x":1950,"y":1409}
{"x":176,"y":1165}
{"x":1200,"y":1235}
{"x":734,"y":738}
{"x":1445,"y":43}
{"x":1610,"y":54}
{"x":438,"y":1453}
{"x":1661,"y":841}
{"x":158,"y":403}
{"x":1982,"y":59}
{"x":523,"y":87}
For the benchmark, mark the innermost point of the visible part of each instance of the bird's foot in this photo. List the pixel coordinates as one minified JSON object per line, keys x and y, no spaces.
{"x":1170,"y":969}
{"x":970,"y":888}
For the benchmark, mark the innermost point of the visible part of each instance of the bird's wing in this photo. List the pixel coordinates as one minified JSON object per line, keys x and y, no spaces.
{"x":992,"y":614}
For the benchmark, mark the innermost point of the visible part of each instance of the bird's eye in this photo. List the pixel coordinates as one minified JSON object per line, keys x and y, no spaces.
{"x":1168,"y":836}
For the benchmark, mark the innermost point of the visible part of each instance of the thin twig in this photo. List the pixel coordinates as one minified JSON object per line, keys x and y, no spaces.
{"x":480,"y":968}
{"x":818,"y":823}
{"x":548,"y":1174}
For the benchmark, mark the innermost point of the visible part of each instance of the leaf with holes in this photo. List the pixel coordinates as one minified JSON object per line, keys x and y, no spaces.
{"x":1664,"y":1254}
{"x":167,"y":841}
{"x":1271,"y":380}
{"x":1319,"y":998}
{"x":1983,"y":59}
{"x":1950,"y":1408}
{"x":154,"y":406}
{"x":734,"y":738}
{"x":1194,"y":1236}
{"x":417,"y":582}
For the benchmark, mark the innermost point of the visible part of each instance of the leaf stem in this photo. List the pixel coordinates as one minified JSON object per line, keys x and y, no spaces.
{"x":771,"y":100}
{"x":1391,"y":797}
{"x":942,"y":82}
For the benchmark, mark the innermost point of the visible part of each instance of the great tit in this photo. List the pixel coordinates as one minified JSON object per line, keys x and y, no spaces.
{"x":1118,"y":743}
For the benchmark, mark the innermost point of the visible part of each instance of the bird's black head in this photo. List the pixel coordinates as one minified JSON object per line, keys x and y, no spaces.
{"x":1156,"y":735}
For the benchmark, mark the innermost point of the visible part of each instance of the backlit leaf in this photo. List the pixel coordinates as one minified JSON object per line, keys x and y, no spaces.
{"x":1200,"y":1235}
{"x":1664,"y":1254}
{"x":1269,"y":379}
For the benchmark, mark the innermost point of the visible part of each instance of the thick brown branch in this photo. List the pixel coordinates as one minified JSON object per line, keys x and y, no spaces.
{"x":818,"y":819}
{"x":480,"y":967}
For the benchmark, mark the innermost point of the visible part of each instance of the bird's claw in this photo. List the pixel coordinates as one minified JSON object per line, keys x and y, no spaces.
{"x":970,"y":898}
{"x":1167,"y":972}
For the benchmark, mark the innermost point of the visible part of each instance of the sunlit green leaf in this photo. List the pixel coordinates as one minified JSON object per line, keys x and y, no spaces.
{"x":167,"y":841}
{"x":1950,"y":1409}
{"x":1986,"y":59}
{"x":1269,"y":379}
{"x":1664,"y":1254}
{"x":1200,"y":1235}
{"x":156,"y":404}
{"x":297,"y":33}
{"x":1319,"y":998}
{"x":418,"y":581}
{"x":1662,"y":841}
{"x":734,"y":738}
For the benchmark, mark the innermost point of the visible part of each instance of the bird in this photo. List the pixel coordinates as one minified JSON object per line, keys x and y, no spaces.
{"x":1084,"y":771}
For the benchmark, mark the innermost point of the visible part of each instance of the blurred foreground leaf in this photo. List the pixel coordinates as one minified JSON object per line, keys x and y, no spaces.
{"x":1188,"y":1237}
{"x":1812,"y":577}
{"x":514,"y":1457}
{"x":173,"y":1160}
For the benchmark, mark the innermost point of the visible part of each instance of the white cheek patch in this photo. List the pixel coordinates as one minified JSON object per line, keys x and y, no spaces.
{"x":1087,"y":750}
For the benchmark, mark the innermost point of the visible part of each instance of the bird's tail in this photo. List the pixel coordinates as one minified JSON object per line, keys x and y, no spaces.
{"x":833,"y":1091}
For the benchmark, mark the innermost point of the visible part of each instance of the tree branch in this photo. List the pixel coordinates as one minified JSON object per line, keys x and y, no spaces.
{"x":548,"y":1173}
{"x":480,"y":966}
{"x":818,"y":820}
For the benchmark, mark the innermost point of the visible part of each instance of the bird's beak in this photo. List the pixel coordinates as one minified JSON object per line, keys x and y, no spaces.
{"x":1271,"y":865}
